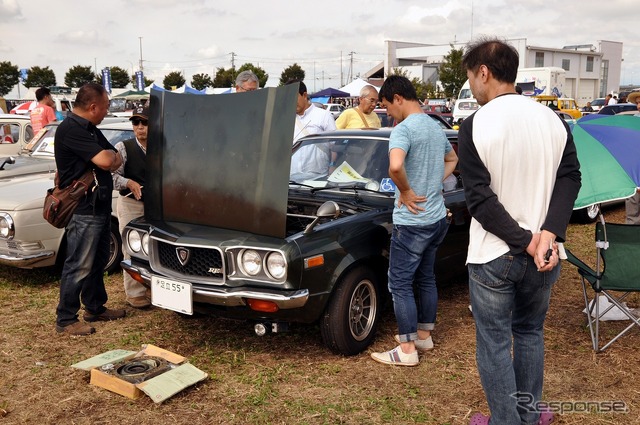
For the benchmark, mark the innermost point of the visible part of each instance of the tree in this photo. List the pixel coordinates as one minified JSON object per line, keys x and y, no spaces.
{"x":201,"y":81}
{"x":40,"y":77}
{"x":452,"y":76}
{"x":224,"y":78}
{"x":119,"y":77}
{"x":173,"y":80}
{"x":294,"y":72}
{"x":423,"y":90}
{"x":9,"y":77}
{"x":260,"y":73}
{"x":78,"y":75}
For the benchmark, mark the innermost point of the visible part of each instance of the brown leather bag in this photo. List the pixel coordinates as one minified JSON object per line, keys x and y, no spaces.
{"x":59,"y":204}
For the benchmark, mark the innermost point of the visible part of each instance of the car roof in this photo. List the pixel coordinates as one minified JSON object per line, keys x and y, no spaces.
{"x":15,"y":117}
{"x":374,"y":133}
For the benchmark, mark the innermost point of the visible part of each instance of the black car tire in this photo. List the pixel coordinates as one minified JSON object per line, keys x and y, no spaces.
{"x":586,"y":215}
{"x":115,"y":249}
{"x":350,"y":321}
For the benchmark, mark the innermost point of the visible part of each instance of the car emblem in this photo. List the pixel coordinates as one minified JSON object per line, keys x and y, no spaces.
{"x":183,"y":255}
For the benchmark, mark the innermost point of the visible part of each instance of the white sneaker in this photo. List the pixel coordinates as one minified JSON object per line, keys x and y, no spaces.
{"x":397,"y":357}
{"x":421,"y":344}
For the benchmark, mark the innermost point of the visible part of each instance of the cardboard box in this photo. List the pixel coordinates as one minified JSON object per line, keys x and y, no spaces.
{"x":174,"y":376}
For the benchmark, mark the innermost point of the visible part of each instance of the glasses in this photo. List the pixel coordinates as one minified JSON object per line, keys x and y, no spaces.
{"x":371,"y":99}
{"x":136,"y":122}
{"x":240,"y":88}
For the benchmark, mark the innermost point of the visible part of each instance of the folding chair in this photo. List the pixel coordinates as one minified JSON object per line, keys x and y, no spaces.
{"x":618,"y":255}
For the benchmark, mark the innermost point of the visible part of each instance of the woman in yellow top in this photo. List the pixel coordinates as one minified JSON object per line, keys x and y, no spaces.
{"x":362,"y":116}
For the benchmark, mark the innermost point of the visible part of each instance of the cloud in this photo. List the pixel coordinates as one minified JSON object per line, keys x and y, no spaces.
{"x":79,"y":37}
{"x":10,"y":11}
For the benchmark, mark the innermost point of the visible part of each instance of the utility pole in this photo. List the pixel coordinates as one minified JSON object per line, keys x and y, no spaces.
{"x":141,"y":62}
{"x":350,"y":67}
{"x":233,"y":67}
{"x":341,"y":84}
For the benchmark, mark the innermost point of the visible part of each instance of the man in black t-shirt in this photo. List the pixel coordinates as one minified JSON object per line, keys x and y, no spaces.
{"x":80,"y":145}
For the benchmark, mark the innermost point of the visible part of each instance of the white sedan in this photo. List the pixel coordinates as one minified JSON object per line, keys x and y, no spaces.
{"x":26,"y":239}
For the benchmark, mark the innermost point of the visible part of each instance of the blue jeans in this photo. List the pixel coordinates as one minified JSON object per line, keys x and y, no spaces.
{"x":87,"y":255}
{"x":411,"y":259}
{"x":510,"y":299}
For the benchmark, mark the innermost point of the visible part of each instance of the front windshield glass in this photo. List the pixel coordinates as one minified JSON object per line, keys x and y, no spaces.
{"x":357,"y":162}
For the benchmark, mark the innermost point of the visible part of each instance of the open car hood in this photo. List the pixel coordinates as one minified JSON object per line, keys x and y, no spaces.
{"x":221,"y":160}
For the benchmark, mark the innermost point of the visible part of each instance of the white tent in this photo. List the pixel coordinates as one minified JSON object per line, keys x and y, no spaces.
{"x":354,"y":87}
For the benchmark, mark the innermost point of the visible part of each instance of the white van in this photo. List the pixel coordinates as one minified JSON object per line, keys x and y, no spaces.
{"x":465,"y":104}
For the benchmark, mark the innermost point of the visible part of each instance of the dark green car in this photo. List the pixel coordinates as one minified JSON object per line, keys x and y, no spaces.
{"x":225,"y":234}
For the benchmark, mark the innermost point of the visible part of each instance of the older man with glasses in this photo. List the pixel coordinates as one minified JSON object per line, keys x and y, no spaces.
{"x":362,"y":116}
{"x":247,"y":81}
{"x":129,"y":180}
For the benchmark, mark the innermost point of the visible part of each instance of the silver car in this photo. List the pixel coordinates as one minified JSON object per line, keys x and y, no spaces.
{"x":26,"y":239}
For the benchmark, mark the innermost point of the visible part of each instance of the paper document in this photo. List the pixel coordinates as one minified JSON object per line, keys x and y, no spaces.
{"x":345,"y":173}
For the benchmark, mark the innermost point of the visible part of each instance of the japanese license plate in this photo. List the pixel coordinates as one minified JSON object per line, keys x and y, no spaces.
{"x":171,"y":294}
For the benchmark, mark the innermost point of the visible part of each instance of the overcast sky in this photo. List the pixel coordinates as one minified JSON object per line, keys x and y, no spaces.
{"x":199,"y":36}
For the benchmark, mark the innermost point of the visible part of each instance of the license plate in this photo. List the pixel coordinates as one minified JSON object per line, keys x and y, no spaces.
{"x":171,"y":294}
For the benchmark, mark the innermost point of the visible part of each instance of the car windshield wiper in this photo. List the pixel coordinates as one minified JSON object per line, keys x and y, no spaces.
{"x":355,"y":187}
{"x":300,"y":184}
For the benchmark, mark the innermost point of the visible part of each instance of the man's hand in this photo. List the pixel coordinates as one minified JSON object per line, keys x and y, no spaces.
{"x":135,"y":189}
{"x":409,"y":199}
{"x":544,"y":250}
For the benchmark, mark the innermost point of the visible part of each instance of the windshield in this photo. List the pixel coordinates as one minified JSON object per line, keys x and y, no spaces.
{"x":43,"y":142}
{"x":358,"y":162}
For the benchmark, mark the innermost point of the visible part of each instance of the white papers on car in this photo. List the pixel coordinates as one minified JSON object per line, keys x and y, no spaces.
{"x":345,"y":173}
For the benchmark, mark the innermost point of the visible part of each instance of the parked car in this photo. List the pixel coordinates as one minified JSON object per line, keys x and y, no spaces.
{"x":15,"y":132}
{"x":388,"y":121}
{"x":335,"y":108}
{"x":619,"y":108}
{"x":320,"y":255}
{"x":441,"y":110}
{"x":568,"y":118}
{"x":597,"y":104}
{"x":26,"y":239}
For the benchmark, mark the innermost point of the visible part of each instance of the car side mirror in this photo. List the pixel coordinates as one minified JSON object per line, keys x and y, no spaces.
{"x":326,"y":210}
{"x":8,"y":160}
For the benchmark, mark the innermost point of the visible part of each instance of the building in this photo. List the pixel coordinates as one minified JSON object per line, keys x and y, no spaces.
{"x":591,"y":71}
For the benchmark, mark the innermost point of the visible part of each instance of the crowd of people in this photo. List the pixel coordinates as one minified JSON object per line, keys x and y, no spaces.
{"x":513,"y":256}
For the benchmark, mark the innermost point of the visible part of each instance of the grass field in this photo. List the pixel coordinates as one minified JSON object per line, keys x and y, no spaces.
{"x":291,"y":378}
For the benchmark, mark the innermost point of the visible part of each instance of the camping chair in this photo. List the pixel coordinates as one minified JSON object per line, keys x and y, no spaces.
{"x":618,"y":255}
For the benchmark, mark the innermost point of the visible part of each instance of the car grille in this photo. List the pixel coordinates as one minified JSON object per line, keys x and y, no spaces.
{"x":200,"y":264}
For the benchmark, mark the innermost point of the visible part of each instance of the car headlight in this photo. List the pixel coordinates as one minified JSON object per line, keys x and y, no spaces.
{"x":7,"y":229}
{"x":276,"y":265}
{"x":251,"y":262}
{"x":145,"y":244}
{"x":134,"y":241}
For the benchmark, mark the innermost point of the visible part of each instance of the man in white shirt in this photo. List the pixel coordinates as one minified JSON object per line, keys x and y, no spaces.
{"x":311,"y":161}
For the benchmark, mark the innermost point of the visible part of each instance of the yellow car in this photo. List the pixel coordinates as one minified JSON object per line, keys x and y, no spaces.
{"x":562,"y":104}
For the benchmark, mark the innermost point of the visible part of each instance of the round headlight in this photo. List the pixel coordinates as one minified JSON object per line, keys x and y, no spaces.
{"x":276,"y":266}
{"x":7,"y":229}
{"x":145,"y":244}
{"x":134,"y":241}
{"x":251,"y":262}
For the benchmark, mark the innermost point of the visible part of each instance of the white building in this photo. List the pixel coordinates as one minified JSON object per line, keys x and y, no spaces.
{"x":591,"y":71}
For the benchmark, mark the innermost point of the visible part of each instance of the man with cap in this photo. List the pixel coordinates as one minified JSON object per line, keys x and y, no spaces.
{"x":632,"y":205}
{"x":129,"y":180}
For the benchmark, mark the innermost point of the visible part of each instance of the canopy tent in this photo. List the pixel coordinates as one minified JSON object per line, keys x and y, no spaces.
{"x":218,"y":90}
{"x":132,"y":95}
{"x":354,"y":87}
{"x":189,"y":90}
{"x":330,"y":92}
{"x":154,"y":87}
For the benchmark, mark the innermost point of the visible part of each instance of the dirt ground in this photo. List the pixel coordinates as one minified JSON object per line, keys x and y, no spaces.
{"x":291,"y":378}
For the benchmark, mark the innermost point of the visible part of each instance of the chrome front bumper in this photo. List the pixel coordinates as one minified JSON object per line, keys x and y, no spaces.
{"x":231,"y":297}
{"x":24,"y":261}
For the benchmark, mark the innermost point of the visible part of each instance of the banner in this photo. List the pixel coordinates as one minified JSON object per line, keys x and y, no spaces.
{"x":106,"y":79}
{"x":139,"y":80}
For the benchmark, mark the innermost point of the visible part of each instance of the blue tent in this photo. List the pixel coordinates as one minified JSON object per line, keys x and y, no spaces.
{"x":330,"y":92}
